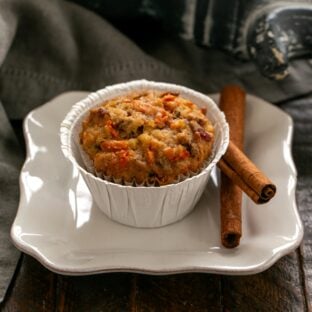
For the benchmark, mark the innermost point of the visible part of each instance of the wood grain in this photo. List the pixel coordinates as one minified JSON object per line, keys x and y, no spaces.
{"x":304,"y":195}
{"x":33,"y":290}
{"x":279,"y":289}
{"x":184,"y":292}
{"x":103,"y":292}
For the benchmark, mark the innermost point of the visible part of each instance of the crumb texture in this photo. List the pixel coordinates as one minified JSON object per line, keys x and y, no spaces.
{"x":147,"y":138}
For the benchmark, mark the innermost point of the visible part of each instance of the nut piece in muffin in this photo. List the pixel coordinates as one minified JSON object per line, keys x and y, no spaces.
{"x":149,"y":138}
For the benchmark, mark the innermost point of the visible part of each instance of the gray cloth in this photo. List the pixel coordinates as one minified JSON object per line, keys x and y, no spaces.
{"x":48,"y":47}
{"x":10,"y":162}
{"x":58,"y":46}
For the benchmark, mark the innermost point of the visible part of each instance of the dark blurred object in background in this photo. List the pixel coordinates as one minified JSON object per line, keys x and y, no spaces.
{"x":268,"y":32}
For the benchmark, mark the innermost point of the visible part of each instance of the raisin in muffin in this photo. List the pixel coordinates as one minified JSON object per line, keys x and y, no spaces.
{"x":147,"y":138}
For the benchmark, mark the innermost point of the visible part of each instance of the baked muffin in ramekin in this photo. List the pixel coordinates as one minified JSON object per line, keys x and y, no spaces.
{"x":145,"y":149}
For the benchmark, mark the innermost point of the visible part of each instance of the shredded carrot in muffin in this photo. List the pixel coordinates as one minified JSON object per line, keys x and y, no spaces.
{"x":147,"y":137}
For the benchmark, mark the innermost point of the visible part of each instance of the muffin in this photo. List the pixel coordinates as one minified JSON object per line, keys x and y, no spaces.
{"x":148,"y":137}
{"x":174,"y":133}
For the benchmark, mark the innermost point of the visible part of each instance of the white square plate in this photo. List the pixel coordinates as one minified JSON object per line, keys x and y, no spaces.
{"x":59,"y":224}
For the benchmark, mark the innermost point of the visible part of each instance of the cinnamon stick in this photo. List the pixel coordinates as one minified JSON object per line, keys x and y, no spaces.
{"x":232,"y":103}
{"x":244,"y":173}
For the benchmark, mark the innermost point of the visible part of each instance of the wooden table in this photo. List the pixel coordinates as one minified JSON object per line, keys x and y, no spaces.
{"x":281,"y":288}
{"x":286,"y":286}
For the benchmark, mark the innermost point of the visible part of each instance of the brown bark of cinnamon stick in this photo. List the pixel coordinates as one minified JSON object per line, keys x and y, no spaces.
{"x":244,"y":173}
{"x":232,"y":103}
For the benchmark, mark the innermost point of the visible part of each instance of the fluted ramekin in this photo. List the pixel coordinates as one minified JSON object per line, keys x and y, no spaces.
{"x":143,"y":206}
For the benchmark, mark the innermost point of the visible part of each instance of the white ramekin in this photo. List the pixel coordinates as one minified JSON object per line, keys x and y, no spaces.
{"x":143,"y":206}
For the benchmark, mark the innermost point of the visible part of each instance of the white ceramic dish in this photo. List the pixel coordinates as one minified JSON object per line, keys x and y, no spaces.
{"x":58,"y":223}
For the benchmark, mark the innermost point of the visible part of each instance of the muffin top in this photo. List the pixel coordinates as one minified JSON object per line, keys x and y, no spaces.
{"x":148,"y":138}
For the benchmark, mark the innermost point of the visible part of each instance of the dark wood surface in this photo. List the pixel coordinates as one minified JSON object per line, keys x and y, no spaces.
{"x":286,"y":286}
{"x":281,"y":288}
